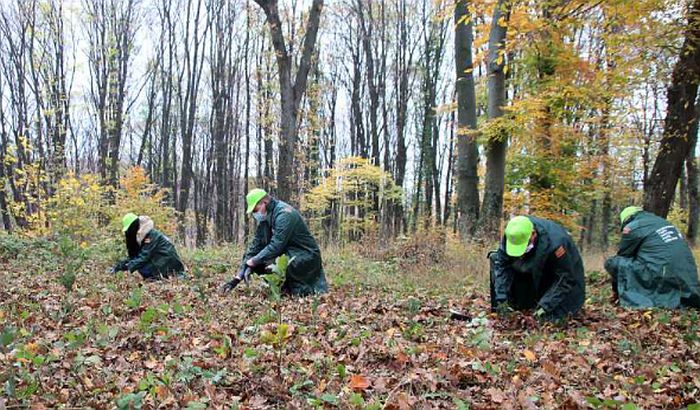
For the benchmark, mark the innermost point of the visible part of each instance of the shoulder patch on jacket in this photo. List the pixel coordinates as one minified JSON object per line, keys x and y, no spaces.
{"x":147,"y":240}
{"x":626,"y":230}
{"x":560,"y":252}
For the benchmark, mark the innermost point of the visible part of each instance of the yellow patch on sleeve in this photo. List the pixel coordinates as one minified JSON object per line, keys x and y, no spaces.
{"x":560,"y":252}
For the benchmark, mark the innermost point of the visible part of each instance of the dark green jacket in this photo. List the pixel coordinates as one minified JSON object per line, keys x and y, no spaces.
{"x":157,"y":257}
{"x":555,"y":266}
{"x":654,"y":265}
{"x":285,"y":232}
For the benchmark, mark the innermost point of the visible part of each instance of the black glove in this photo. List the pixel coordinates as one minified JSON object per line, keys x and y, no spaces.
{"x":120,"y":266}
{"x":229,"y":286}
{"x":243,"y":276}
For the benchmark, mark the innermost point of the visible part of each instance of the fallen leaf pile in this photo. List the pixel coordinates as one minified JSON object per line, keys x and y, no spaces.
{"x":114,"y":342}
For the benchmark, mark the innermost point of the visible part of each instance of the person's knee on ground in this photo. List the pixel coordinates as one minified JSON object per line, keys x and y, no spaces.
{"x":494,"y":303}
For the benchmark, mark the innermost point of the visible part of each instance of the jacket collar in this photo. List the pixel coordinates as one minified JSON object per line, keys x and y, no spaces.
{"x":271,"y":206}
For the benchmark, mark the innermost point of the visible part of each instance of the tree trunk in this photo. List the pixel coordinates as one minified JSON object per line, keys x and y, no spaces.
{"x":467,"y":151}
{"x":492,"y":208}
{"x":4,"y":209}
{"x":246,"y":166}
{"x":683,"y":188}
{"x":111,"y":45}
{"x":691,"y":163}
{"x":367,"y":30}
{"x":680,"y":119}
{"x":448,"y":177}
{"x":188,"y":100}
{"x":402,"y":78}
{"x":291,"y":92}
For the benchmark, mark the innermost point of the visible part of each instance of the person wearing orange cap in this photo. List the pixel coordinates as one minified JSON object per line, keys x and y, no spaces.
{"x":281,"y":230}
{"x":150,"y":252}
{"x":538,"y":267}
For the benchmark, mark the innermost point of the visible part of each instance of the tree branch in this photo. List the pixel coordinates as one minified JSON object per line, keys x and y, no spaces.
{"x":307,"y":53}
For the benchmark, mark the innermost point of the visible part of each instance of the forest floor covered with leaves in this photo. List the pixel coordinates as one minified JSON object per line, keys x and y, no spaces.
{"x":382,"y":338}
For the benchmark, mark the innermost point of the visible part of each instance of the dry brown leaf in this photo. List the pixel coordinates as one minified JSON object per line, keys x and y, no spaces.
{"x":529,"y":355}
{"x":497,"y":395}
{"x":359,"y":382}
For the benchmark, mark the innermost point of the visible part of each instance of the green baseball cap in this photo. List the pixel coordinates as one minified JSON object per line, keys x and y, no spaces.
{"x":518,"y":232}
{"x":628,"y":212}
{"x":127,"y":220}
{"x":253,"y":197}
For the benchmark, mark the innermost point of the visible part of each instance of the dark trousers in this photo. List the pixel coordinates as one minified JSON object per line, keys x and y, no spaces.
{"x":522,"y":295}
{"x":613,"y":282}
{"x":149,"y":274}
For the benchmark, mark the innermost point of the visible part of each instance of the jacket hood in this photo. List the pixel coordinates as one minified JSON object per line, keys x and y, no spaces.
{"x":145,"y":227}
{"x":633,"y":218}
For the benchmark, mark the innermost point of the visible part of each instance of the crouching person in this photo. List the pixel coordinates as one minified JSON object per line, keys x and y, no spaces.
{"x":654,"y":266}
{"x":538,"y":267}
{"x":151,"y":253}
{"x":281,"y":230}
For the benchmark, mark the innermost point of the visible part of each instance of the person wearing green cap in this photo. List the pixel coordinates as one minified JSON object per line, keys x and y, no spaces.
{"x":150,"y":252}
{"x":537,"y":266}
{"x":281,"y":230}
{"x":654,"y":266}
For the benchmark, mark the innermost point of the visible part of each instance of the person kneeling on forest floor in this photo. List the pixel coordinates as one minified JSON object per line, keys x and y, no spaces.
{"x":151,"y":253}
{"x":537,"y":266}
{"x":281,"y":230}
{"x":654,"y":266}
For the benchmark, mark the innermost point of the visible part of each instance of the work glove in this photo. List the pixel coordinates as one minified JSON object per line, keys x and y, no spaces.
{"x":120,"y":266}
{"x":243,"y":276}
{"x":229,"y":286}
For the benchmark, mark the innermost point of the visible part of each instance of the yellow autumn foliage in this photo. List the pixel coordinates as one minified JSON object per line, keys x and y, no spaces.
{"x":85,"y":210}
{"x":139,"y":195}
{"x":351,"y":189}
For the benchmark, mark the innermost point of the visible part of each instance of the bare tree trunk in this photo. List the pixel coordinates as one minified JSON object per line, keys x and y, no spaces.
{"x":291,"y":92}
{"x":683,"y":190}
{"x":680,"y":118}
{"x":151,"y":108}
{"x":402,"y":78}
{"x":189,"y":94}
{"x":4,"y":209}
{"x":467,"y":151}
{"x":224,"y":72}
{"x":691,"y":163}
{"x":358,"y":142}
{"x":448,"y":177}
{"x":15,"y":29}
{"x":492,"y":208}
{"x":367,"y":34}
{"x":167,"y":72}
{"x":112,"y":31}
{"x":246,"y":166}
{"x":59,"y":100}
